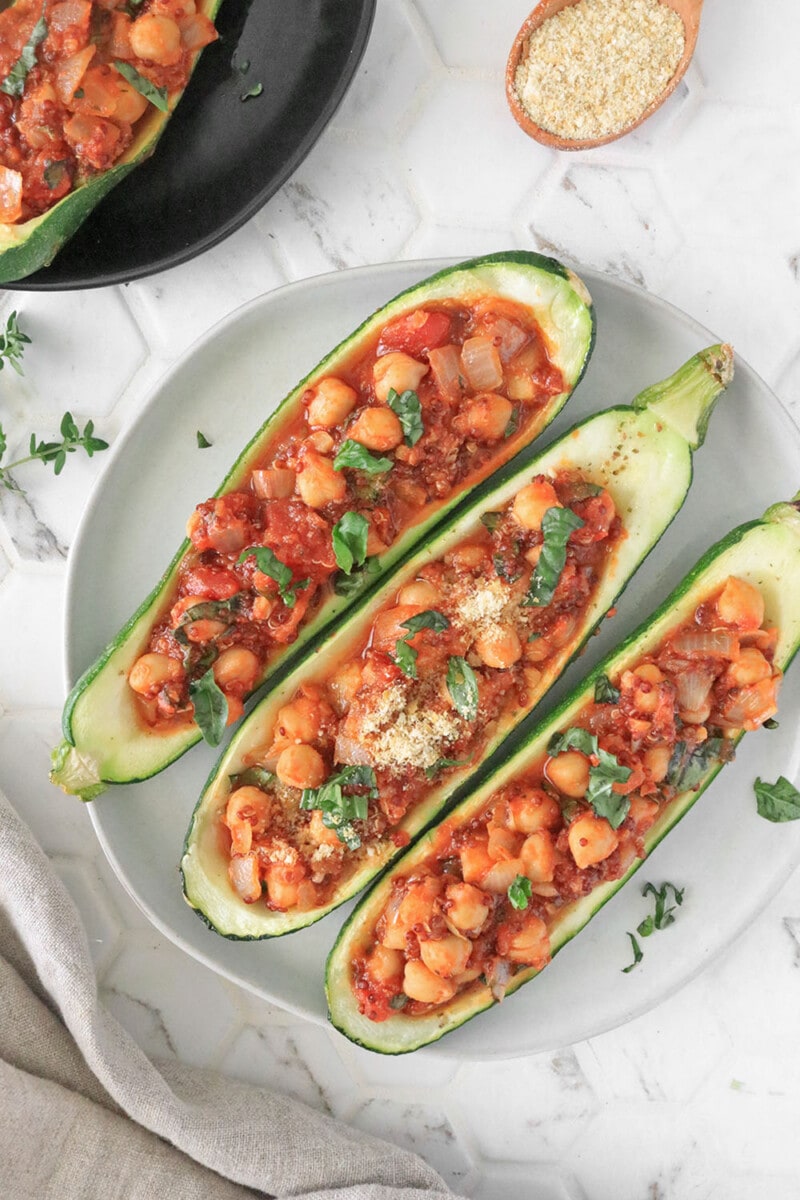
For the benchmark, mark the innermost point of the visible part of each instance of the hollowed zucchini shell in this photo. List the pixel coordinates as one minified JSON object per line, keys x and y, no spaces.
{"x":642,"y":454}
{"x":30,"y":245}
{"x":105,"y":739}
{"x":766,"y":553}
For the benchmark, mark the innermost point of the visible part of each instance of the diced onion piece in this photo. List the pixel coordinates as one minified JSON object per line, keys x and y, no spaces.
{"x":481,"y":363}
{"x":70,"y":72}
{"x":693,"y":687}
{"x":707,"y":643}
{"x":197,"y":31}
{"x":750,"y":707}
{"x":10,"y":196}
{"x":274,"y":483}
{"x":243,"y":874}
{"x":351,"y":752}
{"x":445,"y":363}
{"x":67,"y":14}
{"x":507,"y":336}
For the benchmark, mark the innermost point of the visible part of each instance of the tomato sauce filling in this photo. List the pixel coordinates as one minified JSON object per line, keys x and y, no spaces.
{"x":75,"y":79}
{"x":480,"y":908}
{"x":458,"y":649}
{"x":438,"y":398}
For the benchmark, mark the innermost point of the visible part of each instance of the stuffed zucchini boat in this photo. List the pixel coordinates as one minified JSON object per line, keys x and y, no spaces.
{"x":358,"y":750}
{"x":88,"y":88}
{"x":483,"y":901}
{"x":385,"y":436}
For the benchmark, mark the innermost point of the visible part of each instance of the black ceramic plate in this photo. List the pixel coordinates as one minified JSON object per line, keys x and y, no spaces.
{"x":221,"y":157}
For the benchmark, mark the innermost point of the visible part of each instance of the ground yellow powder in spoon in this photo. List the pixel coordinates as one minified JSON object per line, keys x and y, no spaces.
{"x":593,"y":68}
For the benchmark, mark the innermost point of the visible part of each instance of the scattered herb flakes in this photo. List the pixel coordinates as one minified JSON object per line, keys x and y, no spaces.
{"x":779,"y":801}
{"x":202,"y":441}
{"x":251,"y":93}
{"x":637,"y":954}
{"x":661,"y":918}
{"x":144,"y":86}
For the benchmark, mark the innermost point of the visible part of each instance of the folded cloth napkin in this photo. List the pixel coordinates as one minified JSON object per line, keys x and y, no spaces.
{"x":85,"y":1114}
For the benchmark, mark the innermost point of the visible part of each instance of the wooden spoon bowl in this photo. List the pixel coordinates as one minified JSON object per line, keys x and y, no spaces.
{"x":689,"y":12}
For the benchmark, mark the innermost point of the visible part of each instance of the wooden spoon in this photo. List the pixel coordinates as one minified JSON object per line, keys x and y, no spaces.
{"x":689,"y":12}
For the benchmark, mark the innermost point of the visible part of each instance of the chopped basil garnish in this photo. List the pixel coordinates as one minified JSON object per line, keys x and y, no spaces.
{"x":463,"y":687}
{"x":771,"y":723}
{"x":258,"y":777}
{"x":350,"y":541}
{"x":350,"y":585}
{"x":210,"y":707}
{"x":604,"y":691}
{"x":206,"y":610}
{"x":268,"y":564}
{"x":431,"y":618}
{"x":251,"y":93}
{"x":513,"y":423}
{"x":353,"y":454}
{"x":490,"y":520}
{"x":503,"y":570}
{"x":202,"y":441}
{"x":408,"y":409}
{"x":602,"y":775}
{"x":406,"y":658}
{"x":687,"y":768}
{"x":14,"y":82}
{"x":557,"y":525}
{"x":519,"y":892}
{"x":663,"y":915}
{"x":442,"y":764}
{"x":54,"y":172}
{"x":779,"y":801}
{"x":637,"y":955}
{"x":340,"y":810}
{"x":144,"y":86}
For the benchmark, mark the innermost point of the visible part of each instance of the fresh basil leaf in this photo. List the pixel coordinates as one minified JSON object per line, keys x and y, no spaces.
{"x":210,"y":707}
{"x":519,"y":892}
{"x":503,"y":570}
{"x":513,"y":423}
{"x":574,"y":738}
{"x":251,"y":93}
{"x":353,"y":454}
{"x":604,"y":691}
{"x":351,"y":585}
{"x":637,"y":955}
{"x":258,"y":777}
{"x":54,"y":173}
{"x":490,"y":520}
{"x":406,"y":658}
{"x":206,"y":610}
{"x":202,"y":441}
{"x":600,"y":793}
{"x":14,"y":82}
{"x":779,"y":801}
{"x":557,"y":525}
{"x":268,"y":564}
{"x":646,"y":927}
{"x":409,"y":411}
{"x":145,"y":87}
{"x":463,"y":687}
{"x":442,"y":764}
{"x":340,"y":810}
{"x":350,"y":541}
{"x":688,"y":767}
{"x":663,"y":915}
{"x":431,"y":618}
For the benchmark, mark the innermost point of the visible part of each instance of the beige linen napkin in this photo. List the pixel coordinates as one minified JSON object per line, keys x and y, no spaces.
{"x":85,"y":1114}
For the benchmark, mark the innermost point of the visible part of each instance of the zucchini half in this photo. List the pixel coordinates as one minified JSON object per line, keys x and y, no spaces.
{"x":642,"y":454}
{"x":30,"y":245}
{"x":105,"y":740}
{"x":765,"y":553}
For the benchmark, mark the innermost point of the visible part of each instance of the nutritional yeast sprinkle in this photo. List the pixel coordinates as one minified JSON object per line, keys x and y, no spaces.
{"x":594,"y":67}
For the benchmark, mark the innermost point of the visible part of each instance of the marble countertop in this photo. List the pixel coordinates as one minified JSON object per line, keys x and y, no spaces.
{"x":697,"y":1099}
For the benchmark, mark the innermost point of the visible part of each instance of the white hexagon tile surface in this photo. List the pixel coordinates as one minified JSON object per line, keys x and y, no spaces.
{"x":697,"y":1099}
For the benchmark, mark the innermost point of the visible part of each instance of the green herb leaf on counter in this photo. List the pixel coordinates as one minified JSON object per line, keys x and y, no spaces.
{"x":519,"y":892}
{"x":251,"y":93}
{"x":353,"y":454}
{"x":12,"y":344}
{"x":604,"y":691}
{"x":637,"y":955}
{"x":268,"y":564}
{"x":202,"y":441}
{"x":340,"y":810}
{"x":210,"y":707}
{"x":557,"y":525}
{"x":350,"y":541}
{"x":14,"y":82}
{"x":409,"y":412}
{"x":144,"y":86}
{"x":779,"y":801}
{"x":52,"y":452}
{"x":663,"y":915}
{"x":463,"y":687}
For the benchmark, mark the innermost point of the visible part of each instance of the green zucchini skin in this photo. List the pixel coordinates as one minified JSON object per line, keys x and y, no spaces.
{"x":765,"y":552}
{"x":104,"y":740}
{"x":27,"y":247}
{"x":646,"y":466}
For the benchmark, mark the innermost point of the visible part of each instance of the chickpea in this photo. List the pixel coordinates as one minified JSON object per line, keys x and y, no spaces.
{"x":318,"y":483}
{"x":486,"y":417}
{"x":319,"y":831}
{"x":468,"y":557}
{"x":283,"y":884}
{"x":538,"y":856}
{"x":205,"y":629}
{"x":377,"y":429}
{"x":696,"y":716}
{"x":237,"y":667}
{"x":397,"y":371}
{"x":467,"y":907}
{"x":419,"y":593}
{"x":420,"y":983}
{"x":645,"y":680}
{"x":344,"y":685}
{"x":569,"y":772}
{"x":529,"y":945}
{"x":656,"y":761}
{"x":300,"y":720}
{"x":751,"y":667}
{"x":156,"y":39}
{"x":475,"y":862}
{"x":301,"y":767}
{"x":642,"y":812}
{"x":235,"y":708}
{"x":533,"y":810}
{"x":591,"y":839}
{"x":151,"y":671}
{"x":415,"y":908}
{"x":385,"y":965}
{"x":129,"y":105}
{"x":320,"y":441}
{"x":533,"y":501}
{"x":446,"y":956}
{"x":244,"y":876}
{"x":499,"y":878}
{"x":741,"y":604}
{"x":388,"y":626}
{"x":247,"y":813}
{"x":331,"y":402}
{"x":500,"y":647}
{"x":503,"y":843}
